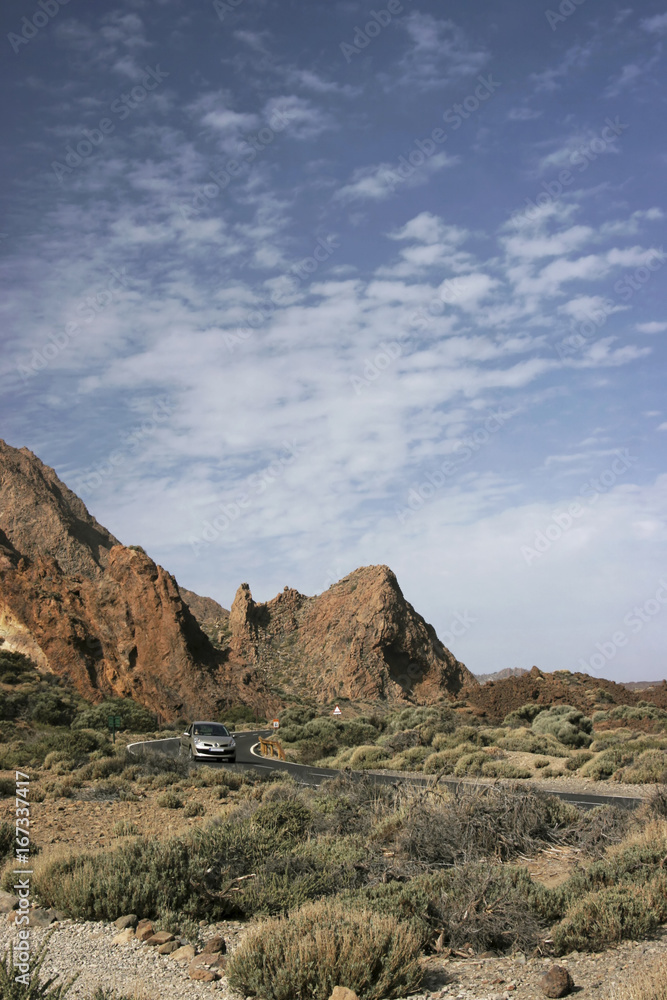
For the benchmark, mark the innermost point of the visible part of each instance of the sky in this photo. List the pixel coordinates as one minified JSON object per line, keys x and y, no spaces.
{"x":290,"y":288}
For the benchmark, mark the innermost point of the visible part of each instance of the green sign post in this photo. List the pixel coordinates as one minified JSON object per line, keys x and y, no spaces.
{"x":114,"y":725}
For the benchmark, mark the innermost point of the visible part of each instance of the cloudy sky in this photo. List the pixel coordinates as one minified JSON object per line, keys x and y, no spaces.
{"x":295,"y":287}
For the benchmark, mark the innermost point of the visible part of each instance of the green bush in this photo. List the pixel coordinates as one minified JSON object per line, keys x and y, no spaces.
{"x":523,"y":716}
{"x":649,"y":768}
{"x":323,"y":945}
{"x":193,"y":809}
{"x":606,"y":763}
{"x":604,"y":918}
{"x":569,"y":725}
{"x":132,"y":715}
{"x":7,"y":839}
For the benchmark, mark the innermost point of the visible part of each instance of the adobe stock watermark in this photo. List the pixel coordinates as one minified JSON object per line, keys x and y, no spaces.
{"x":449,"y":293}
{"x":373,"y":367}
{"x":565,"y":9}
{"x":461,"y":623}
{"x":59,"y":341}
{"x":123,"y":106}
{"x":31,"y":26}
{"x":92,"y":479}
{"x":585,"y":330}
{"x":635,"y":620}
{"x":582,"y":157}
{"x":563,"y":520}
{"x":393,"y":176}
{"x":464,"y":451}
{"x":254,"y":486}
{"x":302,"y":270}
{"x":234,"y":168}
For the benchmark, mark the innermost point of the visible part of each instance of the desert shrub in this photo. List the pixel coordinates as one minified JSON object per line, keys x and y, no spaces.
{"x":170,"y":800}
{"x":505,"y":769}
{"x":649,"y":768}
{"x":523,"y":716}
{"x":578,"y":760}
{"x":124,"y":828}
{"x":478,"y":822}
{"x":239,"y":713}
{"x":37,"y":988}
{"x":103,"y":768}
{"x":657,"y":803}
{"x":53,"y":709}
{"x":606,"y":763}
{"x":602,"y":919}
{"x":542,"y":762}
{"x":521,"y":740}
{"x":405,"y":739}
{"x":193,"y":809}
{"x":132,"y":715}
{"x":569,"y":725}
{"x":7,"y":839}
{"x":606,"y":739}
{"x":648,"y":982}
{"x":312,"y":870}
{"x":367,"y":756}
{"x":7,"y":788}
{"x":408,"y":760}
{"x":321,"y":946}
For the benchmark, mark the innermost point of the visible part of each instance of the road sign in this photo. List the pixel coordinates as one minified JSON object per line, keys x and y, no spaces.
{"x":337,"y":711}
{"x":276,"y":724}
{"x":114,"y":724}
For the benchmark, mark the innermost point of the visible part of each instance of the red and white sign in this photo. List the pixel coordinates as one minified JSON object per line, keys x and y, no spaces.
{"x":276,"y":724}
{"x":337,"y":711}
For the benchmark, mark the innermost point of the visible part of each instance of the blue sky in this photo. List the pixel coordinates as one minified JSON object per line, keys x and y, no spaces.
{"x":290,"y":288}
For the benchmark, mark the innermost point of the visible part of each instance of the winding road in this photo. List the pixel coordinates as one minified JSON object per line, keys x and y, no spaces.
{"x":249,"y":758}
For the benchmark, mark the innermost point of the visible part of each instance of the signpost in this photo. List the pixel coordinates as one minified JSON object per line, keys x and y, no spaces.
{"x":114,"y":725}
{"x":276,"y":724}
{"x":337,"y":712}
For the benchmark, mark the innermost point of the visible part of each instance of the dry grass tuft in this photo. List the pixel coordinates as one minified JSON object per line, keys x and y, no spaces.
{"x":649,"y":983}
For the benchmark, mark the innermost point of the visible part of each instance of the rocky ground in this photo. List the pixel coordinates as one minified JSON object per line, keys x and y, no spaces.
{"x":136,"y":969}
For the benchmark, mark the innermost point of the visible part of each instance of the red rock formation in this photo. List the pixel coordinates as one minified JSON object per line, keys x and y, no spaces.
{"x":360,"y":639}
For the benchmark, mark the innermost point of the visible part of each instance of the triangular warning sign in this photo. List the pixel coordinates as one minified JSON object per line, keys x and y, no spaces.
{"x":337,"y":711}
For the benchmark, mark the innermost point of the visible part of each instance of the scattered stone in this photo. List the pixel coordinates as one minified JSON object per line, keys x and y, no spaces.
{"x":160,"y":937}
{"x":124,"y":937}
{"x":557,"y":982}
{"x":168,"y":947}
{"x":129,"y":920}
{"x":145,"y":930}
{"x":203,"y":975}
{"x":215,"y":944}
{"x":8,"y":902}
{"x":342,"y":993}
{"x":211,"y":963}
{"x":40,"y":917}
{"x":184,"y":954}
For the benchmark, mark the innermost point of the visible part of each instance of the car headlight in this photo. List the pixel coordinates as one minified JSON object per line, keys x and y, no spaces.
{"x":232,"y":745}
{"x":198,"y":741}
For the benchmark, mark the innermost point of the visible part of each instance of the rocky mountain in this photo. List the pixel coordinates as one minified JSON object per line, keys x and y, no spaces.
{"x":84,"y":606}
{"x":360,"y":640}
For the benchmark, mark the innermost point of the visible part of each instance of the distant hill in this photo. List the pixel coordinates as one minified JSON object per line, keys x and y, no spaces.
{"x":501,"y":675}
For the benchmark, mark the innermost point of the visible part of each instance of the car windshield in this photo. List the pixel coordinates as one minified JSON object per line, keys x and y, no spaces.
{"x":210,"y":729}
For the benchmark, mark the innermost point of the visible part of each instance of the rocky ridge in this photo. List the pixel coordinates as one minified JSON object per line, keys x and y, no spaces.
{"x":104,"y":615}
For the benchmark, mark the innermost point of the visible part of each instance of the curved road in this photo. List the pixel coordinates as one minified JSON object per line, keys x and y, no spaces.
{"x":249,"y":759}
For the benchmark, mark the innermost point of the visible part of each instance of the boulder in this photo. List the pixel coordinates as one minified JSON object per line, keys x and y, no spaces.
{"x":8,"y":902}
{"x":202,"y":975}
{"x":124,"y":937}
{"x":145,"y":930}
{"x":557,"y":982}
{"x":342,"y":993}
{"x":168,"y":947}
{"x":129,"y":920}
{"x":184,"y":954}
{"x":213,"y":963}
{"x":159,"y":938}
{"x":216,"y":945}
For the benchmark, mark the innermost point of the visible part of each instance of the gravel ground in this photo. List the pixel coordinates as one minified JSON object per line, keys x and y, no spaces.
{"x":136,"y":969}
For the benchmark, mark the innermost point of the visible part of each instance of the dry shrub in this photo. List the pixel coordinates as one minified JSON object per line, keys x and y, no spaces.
{"x":482,"y":821}
{"x":649,"y":983}
{"x":323,"y":945}
{"x":602,"y":919}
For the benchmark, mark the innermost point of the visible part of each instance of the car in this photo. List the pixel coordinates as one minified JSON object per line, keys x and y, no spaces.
{"x":208,"y":741}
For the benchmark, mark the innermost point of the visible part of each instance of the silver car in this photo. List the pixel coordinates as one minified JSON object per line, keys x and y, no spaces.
{"x":208,"y":740}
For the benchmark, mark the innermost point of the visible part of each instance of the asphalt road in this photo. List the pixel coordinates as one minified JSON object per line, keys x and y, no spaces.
{"x":314,"y":776}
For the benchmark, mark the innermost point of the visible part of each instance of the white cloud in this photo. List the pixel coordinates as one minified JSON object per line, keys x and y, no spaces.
{"x":656,"y":25}
{"x":652,"y":327}
{"x":439,"y":54}
{"x":381,"y":180}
